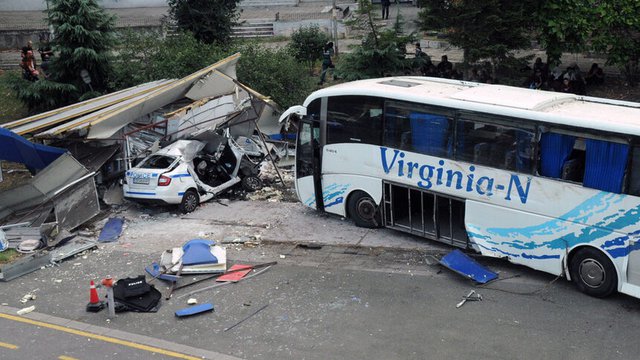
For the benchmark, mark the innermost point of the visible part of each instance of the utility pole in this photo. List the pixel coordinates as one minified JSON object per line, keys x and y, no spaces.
{"x":334,"y":22}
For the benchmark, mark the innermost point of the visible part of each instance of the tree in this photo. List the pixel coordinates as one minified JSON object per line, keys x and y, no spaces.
{"x":210,"y":21}
{"x":275,"y":73}
{"x":306,"y":44}
{"x":482,"y":28}
{"x":382,"y":51}
{"x":144,"y":57}
{"x":562,"y":26}
{"x":617,"y":34}
{"x":83,"y":39}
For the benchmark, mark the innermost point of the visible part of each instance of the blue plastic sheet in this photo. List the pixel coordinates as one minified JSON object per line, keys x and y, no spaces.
{"x":111,"y":230}
{"x":15,"y":148}
{"x":197,"y":252}
{"x":467,"y":267}
{"x":193,"y":310}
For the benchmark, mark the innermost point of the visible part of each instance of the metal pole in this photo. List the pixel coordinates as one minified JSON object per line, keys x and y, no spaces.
{"x":334,"y":22}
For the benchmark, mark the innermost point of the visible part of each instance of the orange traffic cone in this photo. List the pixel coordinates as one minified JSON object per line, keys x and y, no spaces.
{"x":94,"y":304}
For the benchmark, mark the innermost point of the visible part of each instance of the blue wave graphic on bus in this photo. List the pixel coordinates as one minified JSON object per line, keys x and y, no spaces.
{"x":331,"y":195}
{"x":568,"y":230}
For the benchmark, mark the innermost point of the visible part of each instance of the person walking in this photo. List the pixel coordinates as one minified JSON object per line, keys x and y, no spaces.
{"x":327,"y":62}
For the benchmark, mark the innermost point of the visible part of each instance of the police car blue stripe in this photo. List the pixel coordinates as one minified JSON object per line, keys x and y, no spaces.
{"x":140,"y":193}
{"x":181,"y":175}
{"x":181,"y":193}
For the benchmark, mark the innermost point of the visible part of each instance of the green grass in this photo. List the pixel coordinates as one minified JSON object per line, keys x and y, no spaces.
{"x":8,"y":256}
{"x":10,"y":107}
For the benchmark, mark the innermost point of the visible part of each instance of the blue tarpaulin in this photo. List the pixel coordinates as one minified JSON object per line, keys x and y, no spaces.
{"x":198,"y":251}
{"x":15,"y":148}
{"x":111,"y":230}
{"x":467,"y":267}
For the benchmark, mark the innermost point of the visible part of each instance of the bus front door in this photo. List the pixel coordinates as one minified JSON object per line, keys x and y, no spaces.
{"x":308,"y":165}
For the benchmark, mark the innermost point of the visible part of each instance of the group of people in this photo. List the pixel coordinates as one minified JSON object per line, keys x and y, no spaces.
{"x":28,"y":61}
{"x":570,"y":80}
{"x":444,"y":69}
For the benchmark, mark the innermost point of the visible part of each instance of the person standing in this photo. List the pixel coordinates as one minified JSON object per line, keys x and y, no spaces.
{"x":385,"y":8}
{"x":327,"y":61}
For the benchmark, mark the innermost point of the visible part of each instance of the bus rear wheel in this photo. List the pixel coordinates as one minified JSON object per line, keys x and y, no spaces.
{"x":363,"y":210}
{"x":593,"y":273}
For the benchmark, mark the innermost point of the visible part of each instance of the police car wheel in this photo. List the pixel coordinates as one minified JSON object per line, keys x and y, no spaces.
{"x":251,"y":183}
{"x":593,"y":273}
{"x":190,"y":201}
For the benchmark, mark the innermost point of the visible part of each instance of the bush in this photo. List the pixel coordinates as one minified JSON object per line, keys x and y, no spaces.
{"x":307,"y":44}
{"x":274,"y":73}
{"x":146,"y":56}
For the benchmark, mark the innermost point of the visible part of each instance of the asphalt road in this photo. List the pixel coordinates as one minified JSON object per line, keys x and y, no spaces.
{"x":366,"y":294}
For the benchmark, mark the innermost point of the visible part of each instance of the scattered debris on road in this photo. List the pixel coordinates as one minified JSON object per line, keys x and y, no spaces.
{"x":472,"y":296}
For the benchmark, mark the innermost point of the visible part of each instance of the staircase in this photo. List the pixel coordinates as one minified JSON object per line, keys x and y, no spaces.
{"x":254,"y":28}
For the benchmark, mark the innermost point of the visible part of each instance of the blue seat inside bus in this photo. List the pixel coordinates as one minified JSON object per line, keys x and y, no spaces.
{"x":430,"y":134}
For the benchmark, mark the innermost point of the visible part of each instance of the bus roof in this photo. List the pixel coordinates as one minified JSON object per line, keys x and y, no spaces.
{"x":620,"y":117}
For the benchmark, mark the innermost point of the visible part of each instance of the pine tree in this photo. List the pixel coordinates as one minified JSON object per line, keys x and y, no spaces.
{"x":382,"y":51}
{"x":83,"y":37}
{"x":482,"y":28}
{"x":210,"y":21}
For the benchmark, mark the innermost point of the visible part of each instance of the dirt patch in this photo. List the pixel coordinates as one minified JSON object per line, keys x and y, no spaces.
{"x":13,"y":175}
{"x":8,"y":256}
{"x":617,"y":89}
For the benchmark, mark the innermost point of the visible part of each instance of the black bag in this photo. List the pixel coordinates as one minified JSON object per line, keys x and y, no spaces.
{"x":132,"y":287}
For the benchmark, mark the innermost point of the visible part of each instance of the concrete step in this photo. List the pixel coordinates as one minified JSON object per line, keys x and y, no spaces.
{"x":254,"y":28}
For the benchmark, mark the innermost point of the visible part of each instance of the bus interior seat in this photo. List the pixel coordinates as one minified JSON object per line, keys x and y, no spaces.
{"x":573,"y":170}
{"x":481,"y":152}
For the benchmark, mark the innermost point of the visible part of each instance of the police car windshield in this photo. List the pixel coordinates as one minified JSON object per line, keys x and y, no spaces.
{"x":157,"y":162}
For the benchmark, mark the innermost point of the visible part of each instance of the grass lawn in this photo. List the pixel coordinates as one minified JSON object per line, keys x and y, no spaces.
{"x":10,"y":107}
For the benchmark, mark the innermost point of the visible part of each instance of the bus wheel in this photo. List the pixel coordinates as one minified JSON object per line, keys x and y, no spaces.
{"x":363,"y":210}
{"x":190,"y":201}
{"x":593,"y":273}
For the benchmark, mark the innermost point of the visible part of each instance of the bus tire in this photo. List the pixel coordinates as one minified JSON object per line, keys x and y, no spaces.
{"x":190,"y":201}
{"x":593,"y":272}
{"x":363,"y":210}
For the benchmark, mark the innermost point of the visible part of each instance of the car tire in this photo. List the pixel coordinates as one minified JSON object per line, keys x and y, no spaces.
{"x":190,"y":201}
{"x":363,"y":210}
{"x":251,"y":183}
{"x":593,"y":272}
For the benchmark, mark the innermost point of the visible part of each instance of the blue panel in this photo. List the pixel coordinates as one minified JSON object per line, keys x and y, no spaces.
{"x":467,"y":267}
{"x":429,"y":134}
{"x":554,"y":151}
{"x":605,"y":163}
{"x":193,"y":310}
{"x":198,"y":251}
{"x":111,"y":230}
{"x":15,"y":148}
{"x":154,"y":270}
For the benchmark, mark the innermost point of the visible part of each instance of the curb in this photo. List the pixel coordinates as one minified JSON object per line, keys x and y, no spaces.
{"x":102,"y":332}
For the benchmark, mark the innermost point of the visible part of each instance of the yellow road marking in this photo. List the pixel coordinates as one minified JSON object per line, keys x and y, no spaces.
{"x":64,"y":357}
{"x":8,"y":346}
{"x":100,"y":337}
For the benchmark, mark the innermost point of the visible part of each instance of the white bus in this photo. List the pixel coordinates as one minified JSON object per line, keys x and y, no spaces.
{"x":548,"y":180}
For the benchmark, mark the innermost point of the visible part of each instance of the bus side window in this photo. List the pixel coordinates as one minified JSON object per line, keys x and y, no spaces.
{"x":605,"y":165}
{"x":354,"y":119}
{"x":414,"y":127}
{"x":597,"y":164}
{"x":494,"y":145}
{"x":634,"y":173}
